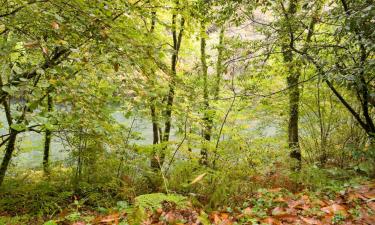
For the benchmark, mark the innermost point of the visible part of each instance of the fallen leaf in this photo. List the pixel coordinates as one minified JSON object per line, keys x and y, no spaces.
{"x":198,"y":178}
{"x":45,"y":50}
{"x":55,"y":25}
{"x":275,"y":190}
{"x":110,"y":218}
{"x":311,"y":221}
{"x":248,"y":211}
{"x":294,"y":204}
{"x":371,"y":205}
{"x":271,"y":221}
{"x":31,"y":44}
{"x":224,"y":216}
{"x":278,"y":211}
{"x":334,"y":209}
{"x":79,"y":223}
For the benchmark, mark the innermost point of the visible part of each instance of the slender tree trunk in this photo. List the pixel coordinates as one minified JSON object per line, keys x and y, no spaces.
{"x":294,"y":94}
{"x":219,"y":74}
{"x":219,"y":63}
{"x":177,"y":38}
{"x":155,"y":125}
{"x":207,"y":118}
{"x":155,"y":132}
{"x":47,"y":139}
{"x":8,"y":154}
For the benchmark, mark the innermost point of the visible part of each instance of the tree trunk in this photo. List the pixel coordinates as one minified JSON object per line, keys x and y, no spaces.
{"x":47,"y":139}
{"x":207,"y":118}
{"x":8,"y":154}
{"x":177,"y":38}
{"x":155,"y":132}
{"x":155,"y":126}
{"x":219,"y":62}
{"x":294,"y":94}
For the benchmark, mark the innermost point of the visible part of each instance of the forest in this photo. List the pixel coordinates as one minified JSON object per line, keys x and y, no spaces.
{"x":200,"y":112}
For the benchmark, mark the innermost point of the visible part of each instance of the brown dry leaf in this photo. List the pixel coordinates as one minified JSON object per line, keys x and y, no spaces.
{"x":224,"y":216}
{"x":275,"y":190}
{"x":319,"y":202}
{"x":293,"y":204}
{"x":31,"y":44}
{"x":278,"y":211}
{"x":334,"y":209}
{"x":371,"y":205}
{"x":248,"y":211}
{"x":198,"y":178}
{"x":214,"y":216}
{"x":79,"y":223}
{"x":110,"y":219}
{"x":45,"y":50}
{"x":352,"y":196}
{"x":290,"y":219}
{"x":55,"y":25}
{"x":370,"y":194}
{"x":271,"y":221}
{"x":366,"y":217}
{"x":280,"y":199}
{"x":170,"y":217}
{"x":311,"y":221}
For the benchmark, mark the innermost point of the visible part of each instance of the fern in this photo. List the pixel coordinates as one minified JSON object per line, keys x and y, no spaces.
{"x":154,"y":201}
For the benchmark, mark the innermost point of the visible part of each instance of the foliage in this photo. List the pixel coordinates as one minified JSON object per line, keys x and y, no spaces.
{"x":120,"y":111}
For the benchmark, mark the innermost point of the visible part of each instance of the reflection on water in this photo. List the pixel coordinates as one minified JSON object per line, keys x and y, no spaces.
{"x":30,"y":144}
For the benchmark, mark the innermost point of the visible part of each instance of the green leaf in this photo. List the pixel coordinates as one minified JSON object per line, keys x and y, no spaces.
{"x":18,"y":127}
{"x":40,"y":71}
{"x":17,"y":69}
{"x":51,"y":222}
{"x":7,"y":89}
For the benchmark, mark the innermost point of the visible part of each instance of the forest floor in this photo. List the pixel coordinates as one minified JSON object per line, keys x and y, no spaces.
{"x":353,"y":205}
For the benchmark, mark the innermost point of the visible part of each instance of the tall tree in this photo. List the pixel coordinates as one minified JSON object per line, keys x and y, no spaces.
{"x":293,"y":76}
{"x":177,"y":33}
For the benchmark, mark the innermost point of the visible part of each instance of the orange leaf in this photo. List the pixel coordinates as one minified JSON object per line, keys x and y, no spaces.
{"x":311,"y":221}
{"x":275,"y":190}
{"x":334,"y":209}
{"x":224,"y":216}
{"x":111,"y":218}
{"x":271,"y":221}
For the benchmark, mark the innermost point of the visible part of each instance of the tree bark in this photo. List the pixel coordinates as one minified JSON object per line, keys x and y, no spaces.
{"x":207,"y":118}
{"x":177,"y":38}
{"x":294,"y":94}
{"x":155,"y":125}
{"x":47,"y":139}
{"x":8,"y":154}
{"x":219,"y":63}
{"x":155,"y":134}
